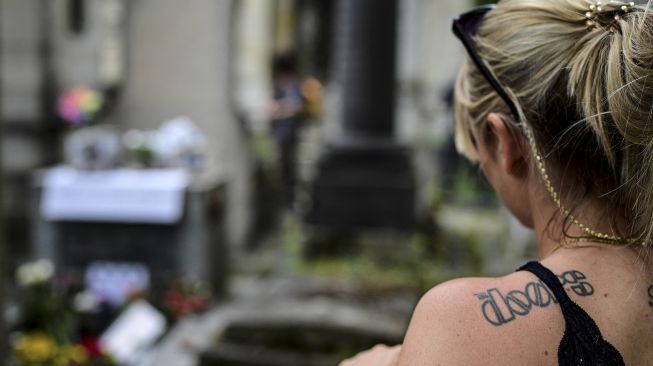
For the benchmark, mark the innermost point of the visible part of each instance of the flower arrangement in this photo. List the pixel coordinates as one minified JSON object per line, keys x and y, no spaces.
{"x":186,"y":297}
{"x":47,"y":335}
{"x":64,"y":324}
{"x":177,"y":143}
{"x":79,"y":105}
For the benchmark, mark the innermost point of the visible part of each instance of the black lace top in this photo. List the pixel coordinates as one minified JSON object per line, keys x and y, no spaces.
{"x":582,"y":342}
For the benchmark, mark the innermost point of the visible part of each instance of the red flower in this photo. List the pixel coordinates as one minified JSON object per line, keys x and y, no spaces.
{"x":92,"y":345}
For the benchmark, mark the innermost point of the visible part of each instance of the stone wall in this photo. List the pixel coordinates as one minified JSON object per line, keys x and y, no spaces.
{"x":178,"y":63}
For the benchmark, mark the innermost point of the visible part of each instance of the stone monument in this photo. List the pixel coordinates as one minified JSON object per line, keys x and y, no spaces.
{"x":365,"y":177}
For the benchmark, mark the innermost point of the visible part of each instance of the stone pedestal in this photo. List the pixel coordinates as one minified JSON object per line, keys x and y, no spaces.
{"x":364,"y":187}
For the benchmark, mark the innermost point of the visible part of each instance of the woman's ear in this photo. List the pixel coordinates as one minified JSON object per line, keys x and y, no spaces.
{"x":509,"y":149}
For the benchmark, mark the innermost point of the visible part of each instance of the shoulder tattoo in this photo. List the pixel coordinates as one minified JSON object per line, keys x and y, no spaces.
{"x":650,"y":296}
{"x":500,"y":308}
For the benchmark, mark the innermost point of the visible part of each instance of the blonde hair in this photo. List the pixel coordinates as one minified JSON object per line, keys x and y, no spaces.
{"x":585,"y":91}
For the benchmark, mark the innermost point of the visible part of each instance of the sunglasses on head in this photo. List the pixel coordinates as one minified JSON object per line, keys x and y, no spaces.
{"x":465,"y":27}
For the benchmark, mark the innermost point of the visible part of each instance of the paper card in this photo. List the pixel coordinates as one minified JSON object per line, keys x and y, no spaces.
{"x":135,"y":330}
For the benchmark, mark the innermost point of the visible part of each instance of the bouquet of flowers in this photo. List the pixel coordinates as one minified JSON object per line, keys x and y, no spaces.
{"x":186,"y":297}
{"x":48,"y":333}
{"x":79,"y":105}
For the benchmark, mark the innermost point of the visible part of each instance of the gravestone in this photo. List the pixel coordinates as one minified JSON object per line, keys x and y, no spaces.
{"x":194,"y":247}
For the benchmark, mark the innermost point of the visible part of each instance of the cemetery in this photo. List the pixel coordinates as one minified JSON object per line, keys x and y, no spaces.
{"x":233,"y":182}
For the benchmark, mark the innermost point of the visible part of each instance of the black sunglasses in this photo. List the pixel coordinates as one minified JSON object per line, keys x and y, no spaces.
{"x":465,"y":27}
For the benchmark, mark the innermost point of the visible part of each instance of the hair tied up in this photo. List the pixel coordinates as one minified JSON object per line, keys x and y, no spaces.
{"x":607,"y":15}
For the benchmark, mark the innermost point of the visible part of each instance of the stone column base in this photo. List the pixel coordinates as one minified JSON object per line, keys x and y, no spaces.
{"x":364,"y":187}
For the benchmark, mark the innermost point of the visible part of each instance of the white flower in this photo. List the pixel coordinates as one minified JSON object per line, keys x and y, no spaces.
{"x":33,"y":273}
{"x":44,"y":269}
{"x":85,"y":302}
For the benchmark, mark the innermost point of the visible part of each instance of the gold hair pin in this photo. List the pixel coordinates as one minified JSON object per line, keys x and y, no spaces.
{"x":607,"y":14}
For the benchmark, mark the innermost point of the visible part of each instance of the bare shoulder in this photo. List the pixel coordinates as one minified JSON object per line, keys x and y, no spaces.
{"x":473,"y":321}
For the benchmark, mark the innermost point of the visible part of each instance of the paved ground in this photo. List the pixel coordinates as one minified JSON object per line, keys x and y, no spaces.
{"x":264,"y":287}
{"x":292,"y":301}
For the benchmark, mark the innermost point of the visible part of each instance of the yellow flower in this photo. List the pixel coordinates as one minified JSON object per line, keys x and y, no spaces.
{"x":76,"y":354}
{"x":38,"y":349}
{"x":35,"y":349}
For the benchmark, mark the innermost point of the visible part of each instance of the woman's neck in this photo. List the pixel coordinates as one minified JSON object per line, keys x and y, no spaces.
{"x":549,"y":223}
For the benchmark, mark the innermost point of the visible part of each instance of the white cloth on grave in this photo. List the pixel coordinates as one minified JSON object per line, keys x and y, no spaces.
{"x":121,"y":195}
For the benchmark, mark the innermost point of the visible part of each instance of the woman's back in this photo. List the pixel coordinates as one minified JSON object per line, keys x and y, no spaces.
{"x":514,"y":320}
{"x":555,"y":104}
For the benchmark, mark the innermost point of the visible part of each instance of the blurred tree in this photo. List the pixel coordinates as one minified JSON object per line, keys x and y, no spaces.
{"x":483,"y":2}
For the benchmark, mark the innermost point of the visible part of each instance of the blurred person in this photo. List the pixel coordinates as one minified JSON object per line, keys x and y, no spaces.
{"x":286,"y":117}
{"x":555,"y":103}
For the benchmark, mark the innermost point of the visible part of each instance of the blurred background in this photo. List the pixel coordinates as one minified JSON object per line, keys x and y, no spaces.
{"x":231,"y":182}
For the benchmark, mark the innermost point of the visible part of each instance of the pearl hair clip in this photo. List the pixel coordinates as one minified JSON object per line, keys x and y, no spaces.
{"x":607,"y":14}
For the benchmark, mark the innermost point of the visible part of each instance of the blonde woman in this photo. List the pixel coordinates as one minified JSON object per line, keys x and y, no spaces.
{"x":555,"y":103}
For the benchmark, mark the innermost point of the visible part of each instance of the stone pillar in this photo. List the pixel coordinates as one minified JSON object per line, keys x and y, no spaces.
{"x":3,"y":240}
{"x":366,"y":67}
{"x":3,"y":264}
{"x":365,"y":177}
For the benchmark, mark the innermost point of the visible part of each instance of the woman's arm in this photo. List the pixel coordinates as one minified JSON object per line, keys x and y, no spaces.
{"x":438,"y":328}
{"x":428,"y":324}
{"x":468,"y":322}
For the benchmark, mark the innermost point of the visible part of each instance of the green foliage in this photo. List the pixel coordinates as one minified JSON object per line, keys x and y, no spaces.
{"x":434,"y":197}
{"x":380,"y":263}
{"x":50,"y":311}
{"x":264,"y":149}
{"x":471,"y":189}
